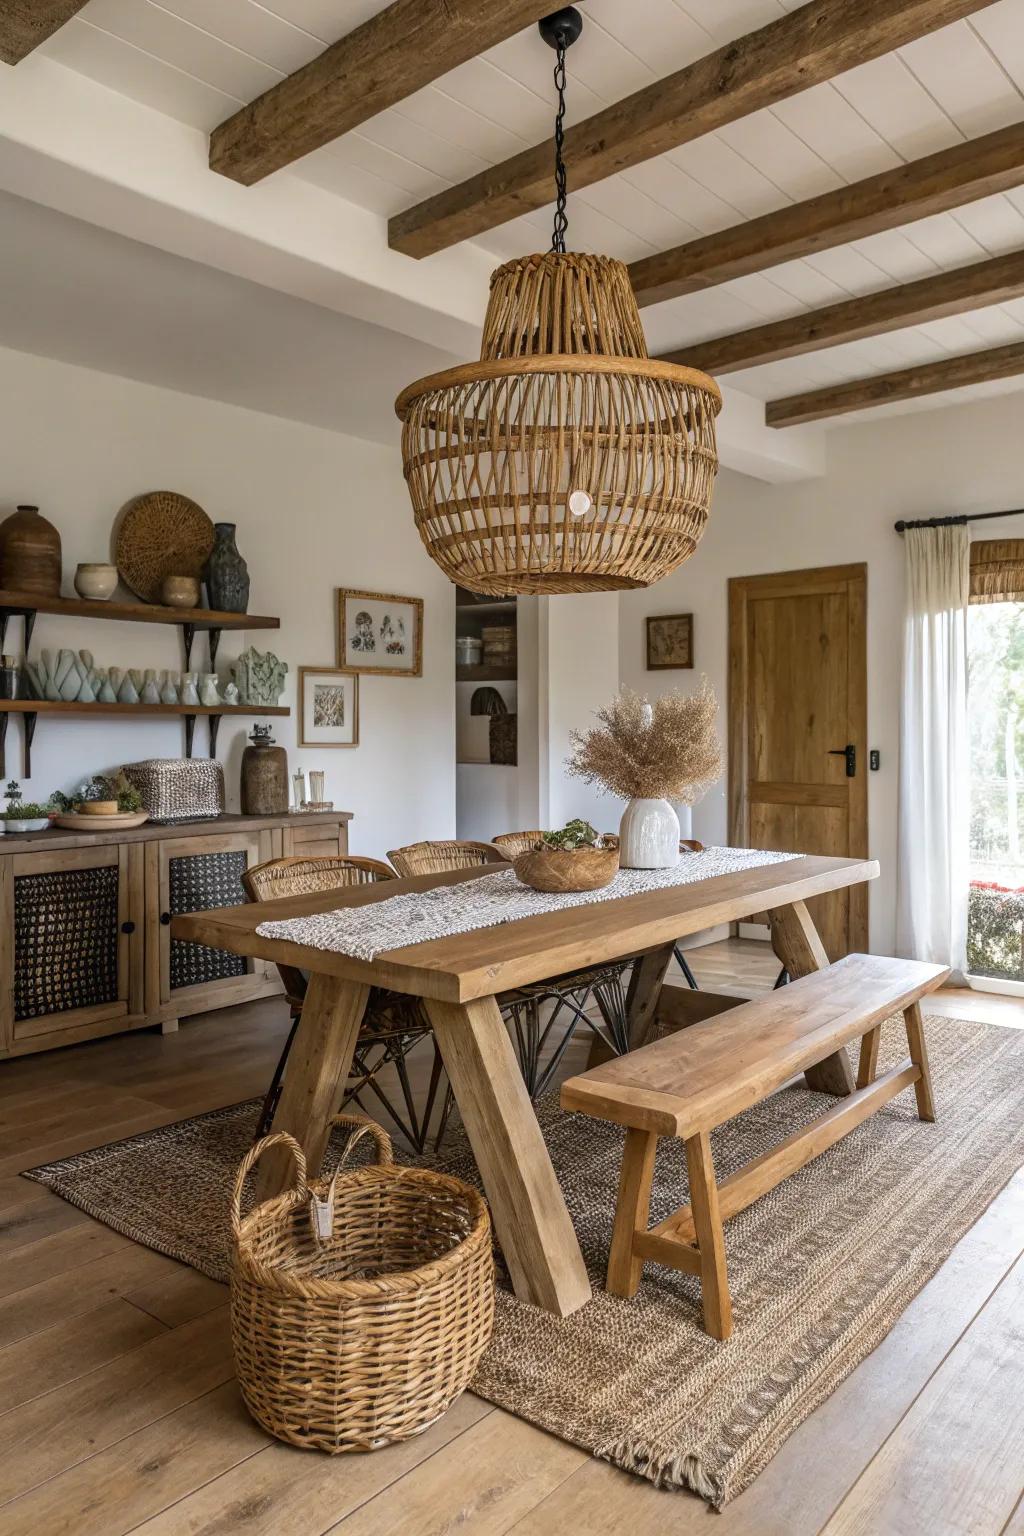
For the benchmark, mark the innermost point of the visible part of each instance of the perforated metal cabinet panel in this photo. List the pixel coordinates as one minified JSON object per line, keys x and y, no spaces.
{"x":65,"y":940}
{"x":197,"y":882}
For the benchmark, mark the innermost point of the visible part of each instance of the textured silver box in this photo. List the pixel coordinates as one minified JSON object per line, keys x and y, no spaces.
{"x":179,"y":788}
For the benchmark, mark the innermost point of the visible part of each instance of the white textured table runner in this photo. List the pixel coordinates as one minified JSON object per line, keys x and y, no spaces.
{"x":416,"y":916}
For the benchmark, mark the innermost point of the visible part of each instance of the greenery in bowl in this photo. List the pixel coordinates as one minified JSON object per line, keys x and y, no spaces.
{"x":115,"y":786}
{"x":25,"y":810}
{"x":575,"y":834}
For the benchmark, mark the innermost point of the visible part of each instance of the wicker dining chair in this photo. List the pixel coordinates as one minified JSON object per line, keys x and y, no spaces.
{"x":392,"y":1024}
{"x":512,"y":844}
{"x":440,"y":857}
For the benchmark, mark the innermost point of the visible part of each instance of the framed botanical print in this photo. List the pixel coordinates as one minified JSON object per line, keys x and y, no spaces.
{"x":328,"y":707}
{"x":379,"y":633}
{"x":669,"y":641}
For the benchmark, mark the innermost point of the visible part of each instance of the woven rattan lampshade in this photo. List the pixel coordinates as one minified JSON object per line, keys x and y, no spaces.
{"x":566,"y":459}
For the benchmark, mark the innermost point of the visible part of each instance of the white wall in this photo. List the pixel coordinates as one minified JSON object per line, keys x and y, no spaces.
{"x":315,"y":510}
{"x":579,"y":671}
{"x":931,"y":464}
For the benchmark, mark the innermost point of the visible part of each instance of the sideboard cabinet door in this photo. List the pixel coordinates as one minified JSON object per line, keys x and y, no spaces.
{"x":71,"y":944}
{"x":194,"y":874}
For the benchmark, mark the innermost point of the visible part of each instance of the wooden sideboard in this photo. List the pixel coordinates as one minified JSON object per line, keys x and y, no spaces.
{"x":85,"y":941}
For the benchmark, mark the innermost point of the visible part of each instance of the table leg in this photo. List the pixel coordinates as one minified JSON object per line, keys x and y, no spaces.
{"x":318,"y":1067}
{"x":798,"y":945}
{"x":530,"y":1216}
{"x":645,"y":984}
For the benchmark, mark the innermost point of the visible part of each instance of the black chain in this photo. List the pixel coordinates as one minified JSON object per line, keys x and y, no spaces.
{"x":561,"y":187}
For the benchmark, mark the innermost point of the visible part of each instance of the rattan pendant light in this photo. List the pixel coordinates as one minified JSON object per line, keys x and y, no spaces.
{"x":566,"y":459}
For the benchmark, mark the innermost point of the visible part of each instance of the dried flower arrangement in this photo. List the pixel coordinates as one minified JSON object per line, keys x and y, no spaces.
{"x":665,"y":751}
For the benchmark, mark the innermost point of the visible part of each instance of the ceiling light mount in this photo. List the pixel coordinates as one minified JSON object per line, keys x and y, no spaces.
{"x":561,"y":29}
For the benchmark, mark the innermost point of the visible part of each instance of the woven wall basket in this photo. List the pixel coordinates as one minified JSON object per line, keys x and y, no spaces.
{"x":563,"y":400}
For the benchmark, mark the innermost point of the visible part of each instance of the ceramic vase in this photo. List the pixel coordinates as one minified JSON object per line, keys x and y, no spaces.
{"x":208,"y":692}
{"x":227,"y":575}
{"x":150,"y":691}
{"x":188,"y":688}
{"x":264,"y":776}
{"x":29,"y":554}
{"x":648,"y":835}
{"x":169,"y":691}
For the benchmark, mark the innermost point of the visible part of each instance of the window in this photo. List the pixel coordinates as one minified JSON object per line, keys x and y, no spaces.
{"x":995,"y":924}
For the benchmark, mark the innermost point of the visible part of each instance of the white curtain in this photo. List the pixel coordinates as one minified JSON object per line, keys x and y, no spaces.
{"x":934,"y":790}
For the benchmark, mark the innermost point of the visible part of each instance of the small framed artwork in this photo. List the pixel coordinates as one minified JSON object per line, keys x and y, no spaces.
{"x":379,"y":633}
{"x":328,"y":707}
{"x":669,"y":641}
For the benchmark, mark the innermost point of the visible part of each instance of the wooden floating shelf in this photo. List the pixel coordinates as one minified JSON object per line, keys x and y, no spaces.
{"x":485,"y":674}
{"x":62,"y":707}
{"x":31,"y":709}
{"x":133,"y":613}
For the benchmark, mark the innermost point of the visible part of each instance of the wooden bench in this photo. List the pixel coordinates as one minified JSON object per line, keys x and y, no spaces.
{"x":694,"y":1080}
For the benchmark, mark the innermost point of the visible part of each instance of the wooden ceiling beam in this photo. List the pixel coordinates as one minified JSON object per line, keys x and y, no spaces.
{"x":821,"y":39}
{"x":992,"y":281}
{"x":933,"y":184}
{"x":24,"y":24}
{"x":395,"y":53}
{"x":906,"y":384}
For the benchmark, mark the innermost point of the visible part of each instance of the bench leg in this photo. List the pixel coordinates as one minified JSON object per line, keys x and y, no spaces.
{"x":631,"y":1212}
{"x":707,"y":1222}
{"x":868,"y":1064}
{"x":919,"y":1056}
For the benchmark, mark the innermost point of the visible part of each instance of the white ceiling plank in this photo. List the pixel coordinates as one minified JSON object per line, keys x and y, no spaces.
{"x":669,"y":185}
{"x":725,"y":22}
{"x":658,"y":32}
{"x":994,"y":222}
{"x":417,"y":181}
{"x":486,"y":87}
{"x":898,"y":107}
{"x":133,"y":73}
{"x":959,"y":72}
{"x":951,"y":333}
{"x":993,"y":326}
{"x":766,"y":143}
{"x":1001,"y":28}
{"x":829,"y":125}
{"x":711,"y":161}
{"x":850,"y":269}
{"x":808,"y":284}
{"x":527,"y":60}
{"x":186,"y":47}
{"x":767,"y":300}
{"x":326,"y":19}
{"x":252,"y":28}
{"x":421,"y":146}
{"x":624,"y":202}
{"x":944,"y":241}
{"x":897,"y":256}
{"x":453,"y":120}
{"x":698,"y":316}
{"x":327,"y":170}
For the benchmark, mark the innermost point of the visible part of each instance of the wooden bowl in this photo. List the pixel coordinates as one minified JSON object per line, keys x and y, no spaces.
{"x":558,"y":870}
{"x":97,"y":808}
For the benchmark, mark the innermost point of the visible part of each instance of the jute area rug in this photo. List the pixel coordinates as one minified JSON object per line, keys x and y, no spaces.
{"x":820,"y":1268}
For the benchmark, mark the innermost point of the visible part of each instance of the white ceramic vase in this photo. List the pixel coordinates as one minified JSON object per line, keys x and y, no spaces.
{"x":648,"y":835}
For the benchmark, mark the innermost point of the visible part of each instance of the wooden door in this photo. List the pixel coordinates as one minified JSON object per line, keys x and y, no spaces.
{"x":70,"y":945}
{"x":192,"y":874}
{"x":797,"y":701}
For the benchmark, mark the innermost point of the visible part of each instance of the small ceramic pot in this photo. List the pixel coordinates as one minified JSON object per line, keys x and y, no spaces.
{"x":649,"y":835}
{"x":96,"y":581}
{"x":180,"y":591}
{"x":97,"y":808}
{"x":26,"y":824}
{"x":558,"y":870}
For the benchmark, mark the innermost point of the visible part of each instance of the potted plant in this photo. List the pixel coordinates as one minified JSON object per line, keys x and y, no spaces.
{"x":649,"y":755}
{"x":574,"y":859}
{"x":24,"y":815}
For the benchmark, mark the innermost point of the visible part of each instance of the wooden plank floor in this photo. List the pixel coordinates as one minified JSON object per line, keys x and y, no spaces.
{"x":118,"y":1411}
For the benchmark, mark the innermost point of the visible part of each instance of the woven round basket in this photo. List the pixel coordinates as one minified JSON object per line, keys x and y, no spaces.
{"x":360,"y":1305}
{"x":559,"y":870}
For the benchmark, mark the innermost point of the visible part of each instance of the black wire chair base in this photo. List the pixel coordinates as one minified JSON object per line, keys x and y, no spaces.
{"x":569,"y":996}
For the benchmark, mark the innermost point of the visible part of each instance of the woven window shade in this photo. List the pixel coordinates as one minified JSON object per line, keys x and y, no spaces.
{"x":997,"y":571}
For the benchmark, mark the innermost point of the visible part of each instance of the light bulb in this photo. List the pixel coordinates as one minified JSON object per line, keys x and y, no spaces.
{"x":581,"y":504}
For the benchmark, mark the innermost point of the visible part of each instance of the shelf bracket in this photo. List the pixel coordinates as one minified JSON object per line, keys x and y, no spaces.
{"x":3,"y":742}
{"x":188,"y":634}
{"x":190,"y":731}
{"x":28,"y":614}
{"x":30,"y":718}
{"x":214,"y":643}
{"x":214,"y":723}
{"x":30,"y":619}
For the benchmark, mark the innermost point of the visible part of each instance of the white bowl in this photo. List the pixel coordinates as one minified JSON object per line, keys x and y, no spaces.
{"x":26,"y":824}
{"x":96,"y":582}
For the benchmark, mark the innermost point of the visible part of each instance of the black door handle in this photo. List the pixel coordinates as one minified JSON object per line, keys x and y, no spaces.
{"x":165,"y":918}
{"x":850,"y":753}
{"x":128,"y":927}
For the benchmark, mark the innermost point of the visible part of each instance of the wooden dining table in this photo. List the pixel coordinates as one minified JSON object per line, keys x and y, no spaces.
{"x":459,"y":977}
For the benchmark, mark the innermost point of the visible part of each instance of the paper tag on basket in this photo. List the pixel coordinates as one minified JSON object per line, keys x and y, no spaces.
{"x":322,"y":1212}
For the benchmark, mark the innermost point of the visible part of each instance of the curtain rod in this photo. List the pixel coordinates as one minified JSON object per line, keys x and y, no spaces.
{"x":949,"y":522}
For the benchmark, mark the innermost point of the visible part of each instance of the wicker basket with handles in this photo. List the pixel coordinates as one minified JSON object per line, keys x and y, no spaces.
{"x":360,"y":1304}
